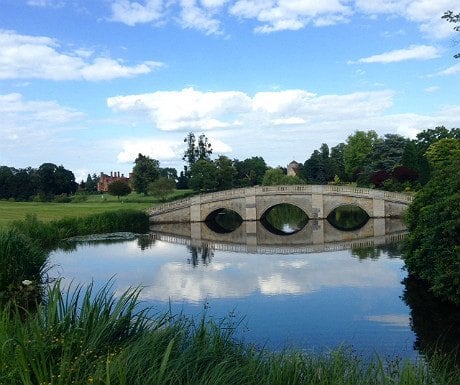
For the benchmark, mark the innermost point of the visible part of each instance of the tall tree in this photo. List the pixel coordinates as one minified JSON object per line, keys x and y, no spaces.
{"x":195,"y":150}
{"x":226,"y":173}
{"x":146,"y":170}
{"x":357,"y":149}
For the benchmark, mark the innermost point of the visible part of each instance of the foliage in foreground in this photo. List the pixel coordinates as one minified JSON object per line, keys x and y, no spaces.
{"x":432,"y":248}
{"x":84,"y":336}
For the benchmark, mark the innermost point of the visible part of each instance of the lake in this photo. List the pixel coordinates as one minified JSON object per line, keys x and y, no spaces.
{"x":313,"y":288}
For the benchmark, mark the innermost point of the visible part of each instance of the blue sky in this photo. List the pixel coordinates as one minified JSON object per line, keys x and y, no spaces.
{"x":89,"y":84}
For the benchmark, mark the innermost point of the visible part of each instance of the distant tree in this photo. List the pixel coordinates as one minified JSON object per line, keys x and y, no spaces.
{"x":55,"y":180}
{"x":276,"y":177}
{"x":91,"y":183}
{"x":146,"y":170}
{"x":203,"y":176}
{"x":168,"y":172}
{"x":162,"y":187}
{"x":357,"y":149}
{"x":226,"y":173}
{"x":337,"y":162}
{"x":453,"y":18}
{"x":119,"y":188}
{"x":194,"y":151}
{"x":250,"y":171}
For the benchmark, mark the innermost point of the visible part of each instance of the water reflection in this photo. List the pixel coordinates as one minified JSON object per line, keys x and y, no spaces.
{"x":316,"y":235}
{"x":284,"y":219}
{"x":223,"y":221}
{"x":348,"y":217}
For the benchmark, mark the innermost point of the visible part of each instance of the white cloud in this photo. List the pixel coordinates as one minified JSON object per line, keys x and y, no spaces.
{"x":155,"y":148}
{"x":426,"y":13}
{"x":201,"y":18}
{"x":291,"y":14}
{"x":415,"y":52}
{"x":134,"y":12}
{"x":432,"y":89}
{"x":38,"y":57}
{"x":187,"y":109}
{"x":30,"y":126}
{"x":453,"y":70}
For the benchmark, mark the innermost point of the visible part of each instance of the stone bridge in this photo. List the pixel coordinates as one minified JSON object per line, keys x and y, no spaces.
{"x":251,"y":203}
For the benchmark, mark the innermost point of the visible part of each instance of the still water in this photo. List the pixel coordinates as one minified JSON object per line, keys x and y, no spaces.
{"x":313,"y":288}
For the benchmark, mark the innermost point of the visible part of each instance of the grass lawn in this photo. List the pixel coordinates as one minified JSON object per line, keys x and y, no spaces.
{"x":45,"y":211}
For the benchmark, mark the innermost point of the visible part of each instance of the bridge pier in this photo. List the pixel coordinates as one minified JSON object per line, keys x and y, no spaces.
{"x":250,"y":204}
{"x":378,"y":204}
{"x":317,"y":202}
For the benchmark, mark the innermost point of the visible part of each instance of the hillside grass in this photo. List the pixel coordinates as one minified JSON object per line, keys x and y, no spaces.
{"x":94,"y":204}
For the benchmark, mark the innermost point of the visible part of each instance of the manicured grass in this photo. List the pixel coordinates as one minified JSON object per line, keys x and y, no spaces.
{"x":46,"y":212}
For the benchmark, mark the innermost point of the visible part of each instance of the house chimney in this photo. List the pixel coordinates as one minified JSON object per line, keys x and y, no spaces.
{"x":111,"y":173}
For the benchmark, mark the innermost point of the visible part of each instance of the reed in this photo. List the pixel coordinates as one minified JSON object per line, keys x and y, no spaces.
{"x":87,"y":336}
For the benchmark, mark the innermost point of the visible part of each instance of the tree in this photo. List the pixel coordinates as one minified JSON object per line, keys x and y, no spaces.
{"x":203,"y":175}
{"x":276,"y":177}
{"x":119,"y":188}
{"x":145,"y":171}
{"x":55,"y":180}
{"x":357,"y":149}
{"x":195,"y":151}
{"x":162,"y":187}
{"x":432,"y":249}
{"x":250,"y":171}
{"x":453,"y":18}
{"x":226,"y":173}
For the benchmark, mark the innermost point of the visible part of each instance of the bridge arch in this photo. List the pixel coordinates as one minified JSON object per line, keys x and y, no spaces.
{"x":265,"y":207}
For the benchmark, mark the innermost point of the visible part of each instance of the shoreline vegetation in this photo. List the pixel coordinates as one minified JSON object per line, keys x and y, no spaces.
{"x":77,"y":335}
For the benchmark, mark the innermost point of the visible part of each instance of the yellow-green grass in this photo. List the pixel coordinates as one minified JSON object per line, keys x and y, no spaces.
{"x":46,"y":212}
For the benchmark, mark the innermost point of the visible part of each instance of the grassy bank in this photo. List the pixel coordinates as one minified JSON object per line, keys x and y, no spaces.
{"x":81,"y":206}
{"x":81,"y":337}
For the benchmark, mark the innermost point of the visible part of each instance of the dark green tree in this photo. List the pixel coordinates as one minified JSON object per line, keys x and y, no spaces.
{"x":146,"y":170}
{"x":337,"y":161}
{"x":250,"y":171}
{"x":226,"y":173}
{"x":119,"y":188}
{"x":203,"y":175}
{"x":55,"y":180}
{"x":432,"y":249}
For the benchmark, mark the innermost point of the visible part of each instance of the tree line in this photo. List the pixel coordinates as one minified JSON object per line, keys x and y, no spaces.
{"x":44,"y":183}
{"x":391,"y":162}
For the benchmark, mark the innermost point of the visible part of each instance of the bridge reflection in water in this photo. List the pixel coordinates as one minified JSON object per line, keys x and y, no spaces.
{"x":252,"y":237}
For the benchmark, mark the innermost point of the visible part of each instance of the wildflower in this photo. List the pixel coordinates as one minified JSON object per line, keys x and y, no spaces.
{"x":26,"y":282}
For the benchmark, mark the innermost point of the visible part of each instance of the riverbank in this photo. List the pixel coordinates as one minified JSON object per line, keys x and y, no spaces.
{"x":84,"y":337}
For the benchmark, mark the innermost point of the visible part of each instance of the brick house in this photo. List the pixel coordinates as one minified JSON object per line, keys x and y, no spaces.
{"x":105,"y":180}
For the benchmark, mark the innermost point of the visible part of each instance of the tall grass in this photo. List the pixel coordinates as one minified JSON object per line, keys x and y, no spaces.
{"x":82,"y":336}
{"x":48,"y":234}
{"x":22,"y":263}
